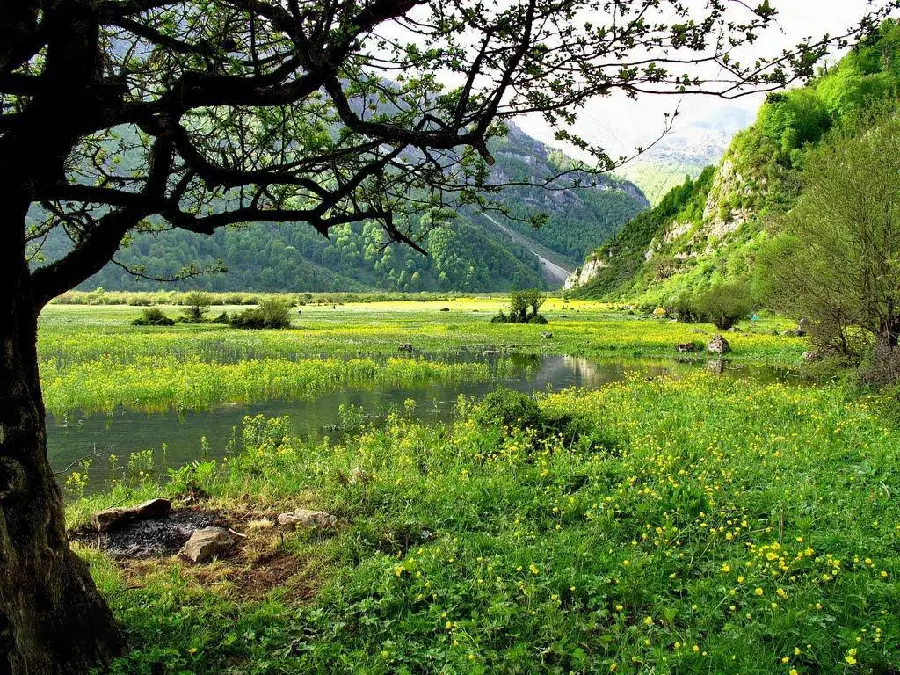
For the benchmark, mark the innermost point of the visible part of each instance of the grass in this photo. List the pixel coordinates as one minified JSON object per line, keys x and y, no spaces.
{"x":689,"y":525}
{"x":94,"y":360}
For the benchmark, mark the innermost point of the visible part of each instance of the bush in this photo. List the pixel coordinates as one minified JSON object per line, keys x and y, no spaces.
{"x":724,"y":304}
{"x":153,"y":316}
{"x":268,"y":314}
{"x":519,"y":304}
{"x":197,"y":304}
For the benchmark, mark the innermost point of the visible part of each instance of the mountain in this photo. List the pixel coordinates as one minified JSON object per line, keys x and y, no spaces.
{"x":685,"y":152}
{"x":476,"y":252}
{"x":710,"y":229}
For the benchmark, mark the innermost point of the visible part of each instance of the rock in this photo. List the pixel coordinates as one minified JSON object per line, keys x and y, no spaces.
{"x":207,"y":543}
{"x":306,"y":518}
{"x":444,"y":309}
{"x":796,"y":333}
{"x":716,"y":366}
{"x":812,"y":356}
{"x":405,"y":347}
{"x":687,"y":348}
{"x":718,"y":345}
{"x":112,"y":518}
{"x":358,"y":476}
{"x":546,"y":334}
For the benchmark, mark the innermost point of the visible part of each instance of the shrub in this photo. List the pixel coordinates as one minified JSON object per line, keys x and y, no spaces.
{"x":197,"y":304}
{"x":519,"y":304}
{"x":153,"y":316}
{"x":724,"y":304}
{"x":268,"y":314}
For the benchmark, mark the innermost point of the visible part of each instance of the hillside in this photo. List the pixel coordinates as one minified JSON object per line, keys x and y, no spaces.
{"x":476,"y":252}
{"x":709,"y":230}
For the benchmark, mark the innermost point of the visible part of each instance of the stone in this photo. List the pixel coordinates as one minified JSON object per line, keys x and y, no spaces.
{"x":546,"y":334}
{"x":687,"y":348}
{"x":358,"y":476}
{"x":307,"y":518}
{"x":444,"y":309}
{"x":716,"y":366}
{"x":208,"y":542}
{"x":812,"y":356}
{"x":405,"y":347}
{"x":718,"y":345}
{"x":116,"y":517}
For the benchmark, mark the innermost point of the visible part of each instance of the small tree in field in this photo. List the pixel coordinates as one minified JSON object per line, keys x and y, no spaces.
{"x":836,"y":262}
{"x":723,"y":304}
{"x":196,"y":306}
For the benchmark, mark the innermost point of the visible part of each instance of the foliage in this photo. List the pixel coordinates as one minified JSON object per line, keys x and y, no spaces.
{"x":197,"y":305}
{"x":268,"y":314}
{"x":519,"y":304}
{"x":153,"y":316}
{"x":835,"y":262}
{"x":723,"y":304}
{"x":760,"y":179}
{"x":720,"y":526}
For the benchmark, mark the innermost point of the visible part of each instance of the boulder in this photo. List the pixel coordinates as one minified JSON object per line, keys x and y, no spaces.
{"x":405,"y":347}
{"x":444,"y":309}
{"x":718,"y":345}
{"x":716,"y":366}
{"x":546,"y":334}
{"x":208,"y":542}
{"x":306,"y":518}
{"x":687,"y":348}
{"x":111,"y":519}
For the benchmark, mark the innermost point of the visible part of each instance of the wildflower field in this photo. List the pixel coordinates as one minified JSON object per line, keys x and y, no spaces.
{"x":687,"y":525}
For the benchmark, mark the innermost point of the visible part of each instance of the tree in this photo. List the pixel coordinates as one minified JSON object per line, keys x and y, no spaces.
{"x":123,"y":116}
{"x":836,"y":260}
{"x":723,"y":304}
{"x":196,"y":306}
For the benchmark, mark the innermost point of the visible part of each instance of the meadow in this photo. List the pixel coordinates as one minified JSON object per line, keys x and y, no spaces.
{"x":688,"y":524}
{"x":93,"y":360}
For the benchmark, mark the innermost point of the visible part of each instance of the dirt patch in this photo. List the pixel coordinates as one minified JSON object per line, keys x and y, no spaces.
{"x":146,"y":538}
{"x":257,"y":565}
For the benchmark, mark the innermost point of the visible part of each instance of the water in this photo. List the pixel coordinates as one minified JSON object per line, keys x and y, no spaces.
{"x":127,"y":431}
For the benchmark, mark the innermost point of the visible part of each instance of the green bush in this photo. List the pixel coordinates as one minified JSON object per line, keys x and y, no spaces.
{"x":153,"y":316}
{"x":724,"y":304}
{"x":268,"y":314}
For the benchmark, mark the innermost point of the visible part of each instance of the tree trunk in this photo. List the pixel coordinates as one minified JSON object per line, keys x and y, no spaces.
{"x":52,"y":618}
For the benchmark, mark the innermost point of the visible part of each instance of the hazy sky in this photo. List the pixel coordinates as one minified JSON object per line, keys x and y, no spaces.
{"x":621,"y":124}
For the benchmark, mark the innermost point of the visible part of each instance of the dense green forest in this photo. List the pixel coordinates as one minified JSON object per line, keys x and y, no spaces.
{"x":469,"y":253}
{"x":710,"y":231}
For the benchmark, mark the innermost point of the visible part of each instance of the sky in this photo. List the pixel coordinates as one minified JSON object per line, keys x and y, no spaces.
{"x":621,"y":125}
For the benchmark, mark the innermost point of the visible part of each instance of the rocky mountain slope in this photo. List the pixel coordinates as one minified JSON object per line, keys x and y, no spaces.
{"x":710,"y":229}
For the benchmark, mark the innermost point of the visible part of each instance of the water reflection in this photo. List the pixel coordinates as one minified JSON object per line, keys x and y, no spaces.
{"x":178,"y":434}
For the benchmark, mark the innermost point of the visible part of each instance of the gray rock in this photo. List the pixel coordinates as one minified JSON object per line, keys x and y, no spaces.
{"x":546,"y":334}
{"x":110,"y":519}
{"x":718,"y":345}
{"x":207,"y":543}
{"x":405,"y":347}
{"x":716,"y":366}
{"x":687,"y":348}
{"x":307,"y":518}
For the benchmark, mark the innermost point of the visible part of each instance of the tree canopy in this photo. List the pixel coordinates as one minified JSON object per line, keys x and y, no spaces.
{"x":150,"y":114}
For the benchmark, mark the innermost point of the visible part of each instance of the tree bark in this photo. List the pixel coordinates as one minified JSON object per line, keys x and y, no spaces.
{"x":52,"y":618}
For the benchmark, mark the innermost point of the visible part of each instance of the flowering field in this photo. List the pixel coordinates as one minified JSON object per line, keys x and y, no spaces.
{"x":694,"y":525}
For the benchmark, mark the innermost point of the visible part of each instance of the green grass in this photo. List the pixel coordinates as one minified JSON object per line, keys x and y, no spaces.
{"x":694,"y":525}
{"x":94,"y":360}
{"x":690,"y":525}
